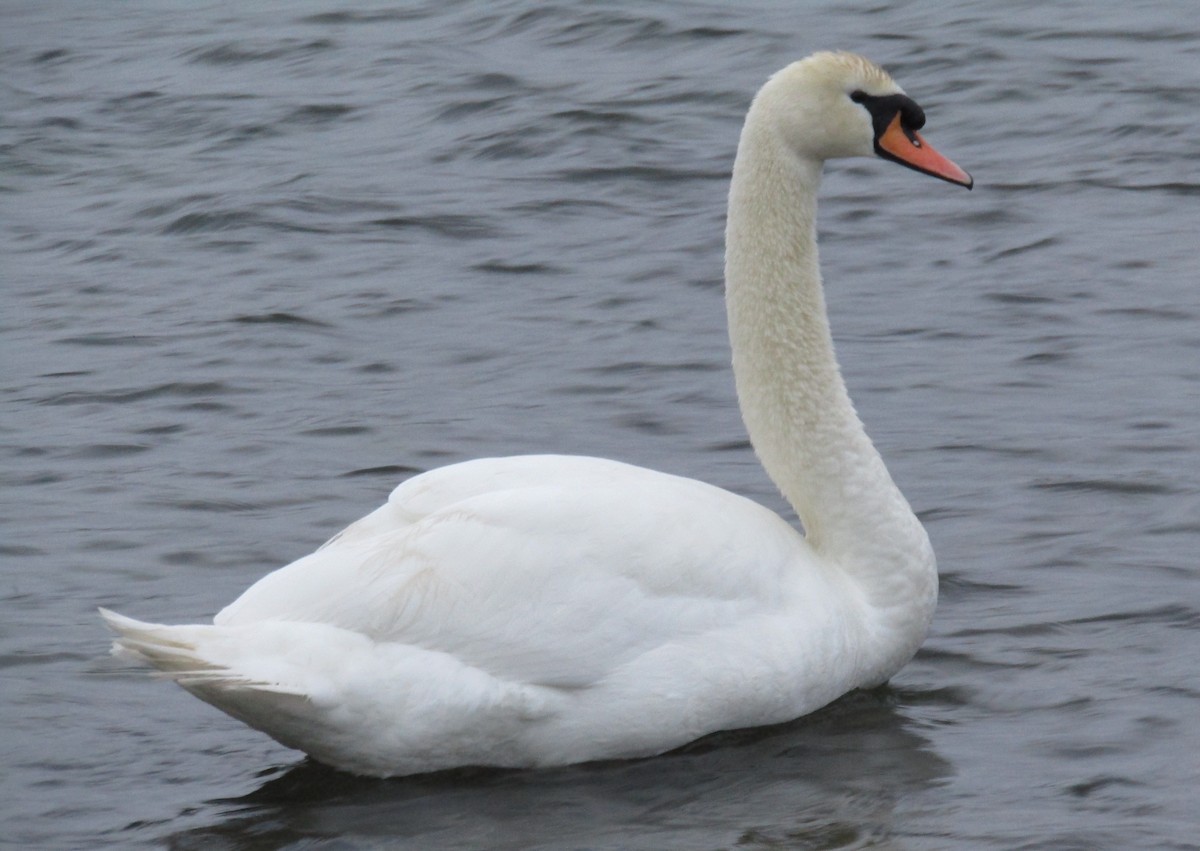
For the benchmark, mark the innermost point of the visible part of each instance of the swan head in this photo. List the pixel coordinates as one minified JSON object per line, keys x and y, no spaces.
{"x":834,"y":105}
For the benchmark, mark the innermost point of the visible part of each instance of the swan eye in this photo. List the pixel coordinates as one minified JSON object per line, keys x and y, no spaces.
{"x":859,"y":96}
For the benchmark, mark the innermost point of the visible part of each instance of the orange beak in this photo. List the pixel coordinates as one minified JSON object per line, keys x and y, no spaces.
{"x":908,"y":148}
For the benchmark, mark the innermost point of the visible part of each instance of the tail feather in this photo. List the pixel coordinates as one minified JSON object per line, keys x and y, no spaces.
{"x":175,"y":652}
{"x":261,"y":674}
{"x":342,"y":696}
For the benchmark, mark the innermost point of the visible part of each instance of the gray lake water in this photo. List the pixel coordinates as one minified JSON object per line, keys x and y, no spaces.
{"x":261,"y":262}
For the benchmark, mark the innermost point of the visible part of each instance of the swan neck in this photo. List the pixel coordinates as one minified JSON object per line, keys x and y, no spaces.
{"x":801,"y":421}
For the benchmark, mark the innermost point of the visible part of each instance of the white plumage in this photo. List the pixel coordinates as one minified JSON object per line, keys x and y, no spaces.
{"x":544,"y":610}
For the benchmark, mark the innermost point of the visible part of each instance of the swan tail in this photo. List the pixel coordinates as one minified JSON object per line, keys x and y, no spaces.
{"x":186,"y":655}
{"x":338,"y":695}
{"x":248,"y":672}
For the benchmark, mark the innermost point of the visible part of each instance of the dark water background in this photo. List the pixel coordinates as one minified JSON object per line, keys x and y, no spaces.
{"x":260,"y":264}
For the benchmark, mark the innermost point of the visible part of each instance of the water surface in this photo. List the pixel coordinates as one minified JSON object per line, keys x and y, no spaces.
{"x":262,"y":264}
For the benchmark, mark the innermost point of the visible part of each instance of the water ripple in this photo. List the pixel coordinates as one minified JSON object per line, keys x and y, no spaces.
{"x":240,"y":52}
{"x":174,"y":389}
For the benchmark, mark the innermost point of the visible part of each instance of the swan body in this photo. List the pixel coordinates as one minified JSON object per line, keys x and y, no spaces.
{"x":541,"y":610}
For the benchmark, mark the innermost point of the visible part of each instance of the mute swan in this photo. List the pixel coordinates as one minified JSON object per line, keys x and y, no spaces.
{"x":544,"y":610}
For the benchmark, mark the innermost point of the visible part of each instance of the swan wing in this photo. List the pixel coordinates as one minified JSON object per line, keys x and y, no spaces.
{"x":542,"y":570}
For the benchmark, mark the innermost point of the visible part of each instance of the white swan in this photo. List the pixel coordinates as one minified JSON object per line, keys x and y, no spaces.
{"x":546,"y":610}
